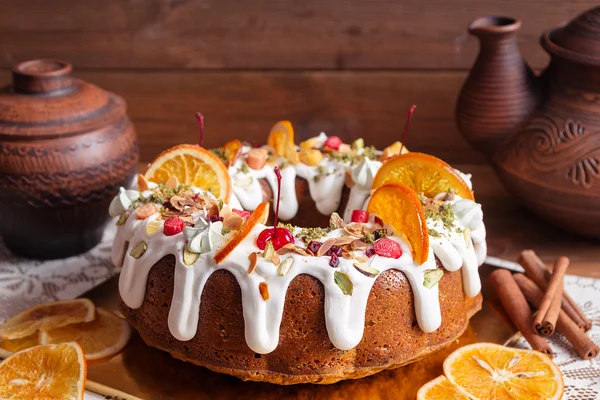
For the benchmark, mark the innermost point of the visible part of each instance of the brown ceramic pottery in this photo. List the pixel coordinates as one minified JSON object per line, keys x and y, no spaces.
{"x":66,"y":146}
{"x":544,"y":143}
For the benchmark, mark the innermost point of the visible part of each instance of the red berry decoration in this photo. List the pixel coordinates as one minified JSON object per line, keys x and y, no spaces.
{"x":173,"y":226}
{"x":242,"y":213}
{"x":387,"y":248}
{"x":360,"y":216}
{"x":278,"y":236}
{"x":333,"y":142}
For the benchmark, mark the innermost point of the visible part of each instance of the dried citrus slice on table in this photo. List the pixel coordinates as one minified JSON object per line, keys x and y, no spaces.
{"x":423,"y":173}
{"x":101,"y":338}
{"x":258,"y":216}
{"x":15,"y":345}
{"x":281,"y":139}
{"x":48,"y":316}
{"x":490,"y":371}
{"x":191,"y":165}
{"x":440,"y":388}
{"x":398,"y":205}
{"x":54,"y":372}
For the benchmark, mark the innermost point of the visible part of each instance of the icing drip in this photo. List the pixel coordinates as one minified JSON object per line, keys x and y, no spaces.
{"x":362,"y":175}
{"x":325,"y":183}
{"x":344,"y":314}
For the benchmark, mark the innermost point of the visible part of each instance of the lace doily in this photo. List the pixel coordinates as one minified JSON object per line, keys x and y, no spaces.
{"x":582,"y":377}
{"x":24,"y":282}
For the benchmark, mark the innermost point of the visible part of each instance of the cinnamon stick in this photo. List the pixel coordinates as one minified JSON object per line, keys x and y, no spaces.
{"x":545,"y":319}
{"x":582,"y":344}
{"x":518,"y":310}
{"x":537,"y":272}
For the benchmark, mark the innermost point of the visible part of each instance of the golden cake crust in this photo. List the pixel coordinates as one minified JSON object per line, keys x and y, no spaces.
{"x":305,"y":354}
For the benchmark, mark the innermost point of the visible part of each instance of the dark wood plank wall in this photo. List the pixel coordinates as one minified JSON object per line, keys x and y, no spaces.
{"x":351,"y":68}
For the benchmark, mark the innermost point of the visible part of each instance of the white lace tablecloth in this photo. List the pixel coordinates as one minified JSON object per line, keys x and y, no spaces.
{"x":582,"y":377}
{"x":24,"y":282}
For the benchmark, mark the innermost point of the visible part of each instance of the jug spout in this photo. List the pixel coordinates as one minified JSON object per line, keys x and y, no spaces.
{"x":501,"y":91}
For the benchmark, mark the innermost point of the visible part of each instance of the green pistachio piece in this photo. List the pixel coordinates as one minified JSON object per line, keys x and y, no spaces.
{"x":343,"y":281}
{"x":366,"y":270}
{"x":189,"y":257}
{"x":432,"y":277}
{"x":358,"y":144}
{"x":139,"y":250}
{"x":123,"y":218}
{"x":335,"y":221}
{"x":269,"y":251}
{"x":285,"y":266}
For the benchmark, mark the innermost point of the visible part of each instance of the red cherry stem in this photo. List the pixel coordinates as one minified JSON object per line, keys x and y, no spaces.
{"x":200,"y":119}
{"x":278,"y":175}
{"x":410,"y":113}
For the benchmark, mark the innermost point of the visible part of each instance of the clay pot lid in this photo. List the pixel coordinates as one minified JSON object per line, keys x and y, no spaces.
{"x":45,"y":101}
{"x":578,"y":40}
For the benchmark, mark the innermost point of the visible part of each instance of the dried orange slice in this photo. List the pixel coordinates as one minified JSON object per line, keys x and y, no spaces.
{"x":102,"y":338}
{"x":399,"y":206}
{"x":440,"y":388}
{"x":191,"y":165}
{"x":491,"y":371}
{"x":258,"y":216}
{"x":423,"y":173}
{"x":281,"y":139}
{"x":49,"y":315}
{"x":55,"y":372}
{"x":231,"y":150}
{"x":15,"y":345}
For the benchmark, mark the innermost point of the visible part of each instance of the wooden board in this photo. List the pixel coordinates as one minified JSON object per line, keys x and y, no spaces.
{"x":287,"y":34}
{"x":245,"y":105}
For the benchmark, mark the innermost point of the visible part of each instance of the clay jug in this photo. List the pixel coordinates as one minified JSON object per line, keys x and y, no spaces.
{"x":548,"y":158}
{"x":500,"y":92}
{"x":66,"y":146}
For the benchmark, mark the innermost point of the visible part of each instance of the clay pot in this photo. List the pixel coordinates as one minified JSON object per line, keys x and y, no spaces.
{"x":548,"y":154}
{"x":66,"y":146}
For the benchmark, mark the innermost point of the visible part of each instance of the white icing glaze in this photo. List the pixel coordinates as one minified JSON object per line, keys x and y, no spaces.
{"x":325,"y":183}
{"x":362,"y":174}
{"x":344,"y":314}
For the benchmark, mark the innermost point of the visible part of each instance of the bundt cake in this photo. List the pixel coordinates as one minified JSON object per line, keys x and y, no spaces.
{"x":391,"y":278}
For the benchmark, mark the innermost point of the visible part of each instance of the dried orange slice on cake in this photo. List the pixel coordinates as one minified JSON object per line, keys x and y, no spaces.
{"x":490,"y":371}
{"x":258,"y":216}
{"x":102,"y":338}
{"x":44,"y":372}
{"x":191,"y":165}
{"x":440,"y":388}
{"x":281,"y":139}
{"x":45,"y":316}
{"x":15,"y":345}
{"x":399,"y":206}
{"x":423,"y":173}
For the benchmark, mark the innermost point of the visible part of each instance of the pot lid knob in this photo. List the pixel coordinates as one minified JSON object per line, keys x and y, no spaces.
{"x":42,"y":76}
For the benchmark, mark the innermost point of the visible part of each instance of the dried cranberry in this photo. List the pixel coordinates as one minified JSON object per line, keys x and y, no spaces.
{"x":387,"y":248}
{"x":380,"y":233}
{"x":337,"y":250}
{"x":333,"y":142}
{"x":360,"y":216}
{"x":215,"y":218}
{"x":314,"y":246}
{"x":378,"y":221}
{"x":173,"y":226}
{"x":369,"y":252}
{"x":279,"y":239}
{"x":242,"y":213}
{"x":334,"y":261}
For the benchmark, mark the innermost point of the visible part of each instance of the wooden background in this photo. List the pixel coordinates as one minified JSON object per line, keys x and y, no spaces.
{"x":351,"y":67}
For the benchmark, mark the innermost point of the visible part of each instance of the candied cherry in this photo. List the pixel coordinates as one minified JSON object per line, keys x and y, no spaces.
{"x":387,"y":248}
{"x":360,"y":216}
{"x":278,"y":236}
{"x":333,"y":142}
{"x":173,"y":226}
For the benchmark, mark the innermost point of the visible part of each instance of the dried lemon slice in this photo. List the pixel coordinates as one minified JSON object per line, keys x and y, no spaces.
{"x":281,"y":139}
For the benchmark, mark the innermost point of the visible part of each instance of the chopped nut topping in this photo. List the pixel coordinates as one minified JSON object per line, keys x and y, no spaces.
{"x":253,"y":257}
{"x":263,"y":287}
